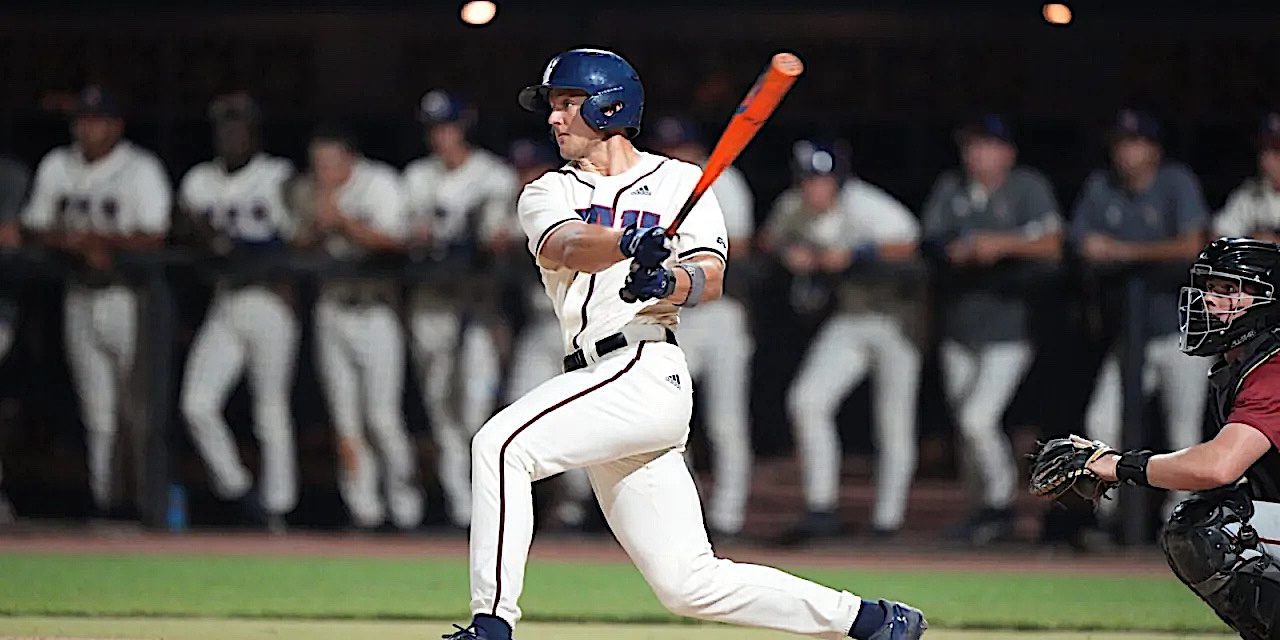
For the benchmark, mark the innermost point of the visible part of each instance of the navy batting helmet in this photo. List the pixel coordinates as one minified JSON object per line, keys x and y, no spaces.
{"x":615,"y":97}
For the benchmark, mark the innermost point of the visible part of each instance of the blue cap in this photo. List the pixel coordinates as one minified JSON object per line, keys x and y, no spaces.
{"x":1131,"y":123}
{"x":1269,"y":131}
{"x":674,"y":131}
{"x":988,"y":126}
{"x":95,"y":101}
{"x":526,"y":154}
{"x":820,"y":158}
{"x":441,"y":107}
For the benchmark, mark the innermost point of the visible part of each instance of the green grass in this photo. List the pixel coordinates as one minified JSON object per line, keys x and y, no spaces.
{"x":436,"y":589}
{"x":207,"y":629}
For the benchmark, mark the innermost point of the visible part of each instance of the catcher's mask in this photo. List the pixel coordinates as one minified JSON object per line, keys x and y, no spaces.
{"x":1231,"y":296}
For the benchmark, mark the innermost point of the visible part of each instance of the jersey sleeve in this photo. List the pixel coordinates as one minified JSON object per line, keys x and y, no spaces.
{"x":542,"y":209}
{"x":384,"y":203}
{"x":887,"y":220}
{"x":737,"y":204}
{"x":1234,"y":220}
{"x":1041,"y":208}
{"x":1258,"y":403}
{"x":1089,"y":206}
{"x":703,"y":231}
{"x":40,"y":212}
{"x":154,"y":198}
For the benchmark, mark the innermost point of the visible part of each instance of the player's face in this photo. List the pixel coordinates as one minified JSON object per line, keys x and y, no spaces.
{"x":1132,"y":155}
{"x":573,"y":135}
{"x":332,"y":163}
{"x":988,"y":157}
{"x":1226,"y":300}
{"x":446,"y":137}
{"x":234,"y":141}
{"x":818,"y":192}
{"x":97,"y":134}
{"x":1269,"y":166}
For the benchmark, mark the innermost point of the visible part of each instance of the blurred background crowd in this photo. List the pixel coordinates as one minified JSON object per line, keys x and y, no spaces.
{"x":260,"y":266}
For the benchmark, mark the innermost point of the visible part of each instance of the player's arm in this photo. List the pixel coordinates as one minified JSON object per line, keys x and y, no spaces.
{"x":385,"y":228}
{"x":154,"y":200}
{"x":581,"y":247}
{"x":367,"y":236}
{"x":713,"y":272}
{"x":1216,"y":463}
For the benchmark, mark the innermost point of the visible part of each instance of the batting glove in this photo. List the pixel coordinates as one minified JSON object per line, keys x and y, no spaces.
{"x":646,"y":245}
{"x":647,"y":283}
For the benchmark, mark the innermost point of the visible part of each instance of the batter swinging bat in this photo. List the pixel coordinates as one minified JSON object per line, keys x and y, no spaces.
{"x":747,"y":119}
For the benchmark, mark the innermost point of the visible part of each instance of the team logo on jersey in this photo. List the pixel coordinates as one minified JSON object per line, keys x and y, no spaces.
{"x":674,"y":379}
{"x":642,"y":190}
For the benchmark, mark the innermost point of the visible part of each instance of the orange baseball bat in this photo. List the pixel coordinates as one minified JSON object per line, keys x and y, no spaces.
{"x":755,"y":109}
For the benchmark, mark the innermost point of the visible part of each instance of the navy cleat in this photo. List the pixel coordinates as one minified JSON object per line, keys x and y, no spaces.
{"x":904,"y":623}
{"x":463,"y":634}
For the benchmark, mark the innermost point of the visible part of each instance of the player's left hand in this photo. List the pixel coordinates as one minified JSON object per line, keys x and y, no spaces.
{"x":1073,"y":464}
{"x":646,"y":283}
{"x":646,"y":245}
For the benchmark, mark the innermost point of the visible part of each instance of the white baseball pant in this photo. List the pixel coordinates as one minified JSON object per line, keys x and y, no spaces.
{"x":846,"y":348}
{"x":538,"y":356}
{"x":249,"y":328}
{"x":100,"y":328}
{"x":439,"y":336}
{"x":360,"y":352}
{"x":625,"y":419}
{"x":1181,"y":380}
{"x":718,"y":347}
{"x":980,"y":383}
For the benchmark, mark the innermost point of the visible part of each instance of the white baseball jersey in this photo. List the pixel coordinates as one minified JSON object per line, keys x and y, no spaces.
{"x":865,"y":214}
{"x":124,"y":192}
{"x":472,"y":200}
{"x":1254,"y":206}
{"x":247,"y":205}
{"x":372,"y":195}
{"x":652,"y":191}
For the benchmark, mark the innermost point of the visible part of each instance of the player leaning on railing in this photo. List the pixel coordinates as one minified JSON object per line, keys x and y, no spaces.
{"x":1221,"y":542}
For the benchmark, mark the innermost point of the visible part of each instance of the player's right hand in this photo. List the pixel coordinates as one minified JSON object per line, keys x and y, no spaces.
{"x":646,"y":245}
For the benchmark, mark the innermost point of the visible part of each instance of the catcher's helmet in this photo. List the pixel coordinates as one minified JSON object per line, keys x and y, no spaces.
{"x":820,"y":158}
{"x":1231,"y":297}
{"x":615,"y":97}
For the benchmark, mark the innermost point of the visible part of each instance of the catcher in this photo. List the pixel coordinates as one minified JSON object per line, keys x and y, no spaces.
{"x":1224,"y":541}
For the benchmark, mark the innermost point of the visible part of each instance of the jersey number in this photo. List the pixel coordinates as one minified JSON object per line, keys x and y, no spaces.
{"x":603,"y":216}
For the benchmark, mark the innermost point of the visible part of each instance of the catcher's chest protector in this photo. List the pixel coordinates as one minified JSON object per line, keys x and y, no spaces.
{"x":1225,"y":381}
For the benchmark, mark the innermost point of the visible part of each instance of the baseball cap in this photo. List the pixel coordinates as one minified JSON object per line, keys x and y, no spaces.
{"x":1269,"y":131}
{"x":95,"y":101}
{"x":987,"y":126}
{"x":1131,"y":123}
{"x":674,"y":131}
{"x":820,"y":158}
{"x":438,"y":107}
{"x":236,"y":106}
{"x":526,"y":154}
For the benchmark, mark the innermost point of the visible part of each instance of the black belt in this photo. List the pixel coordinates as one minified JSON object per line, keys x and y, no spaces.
{"x":578,"y":359}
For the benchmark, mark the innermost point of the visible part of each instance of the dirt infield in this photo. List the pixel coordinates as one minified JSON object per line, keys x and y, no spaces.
{"x":577,"y":549}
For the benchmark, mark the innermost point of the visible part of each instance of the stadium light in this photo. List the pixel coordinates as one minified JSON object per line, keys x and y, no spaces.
{"x":478,"y":12}
{"x":1059,"y":14}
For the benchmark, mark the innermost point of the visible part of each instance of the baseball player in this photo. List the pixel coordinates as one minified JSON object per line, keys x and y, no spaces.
{"x":14,"y":179}
{"x":826,"y":224}
{"x":717,"y":341}
{"x":250,"y":328}
{"x":459,"y":199}
{"x":358,"y":211}
{"x":621,"y":410}
{"x":988,"y":211}
{"x":1144,"y":210}
{"x":100,"y":195}
{"x":1253,"y":209}
{"x":539,"y":350}
{"x":1222,"y":541}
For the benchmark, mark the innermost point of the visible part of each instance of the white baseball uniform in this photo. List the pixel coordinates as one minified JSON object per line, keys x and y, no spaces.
{"x":852,"y":343}
{"x":360,"y":352}
{"x":459,"y":206}
{"x":249,"y":326}
{"x":1253,"y":206}
{"x":125,"y":192}
{"x":625,"y":418}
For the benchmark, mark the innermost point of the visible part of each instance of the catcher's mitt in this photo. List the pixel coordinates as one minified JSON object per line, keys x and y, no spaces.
{"x":1062,"y":465}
